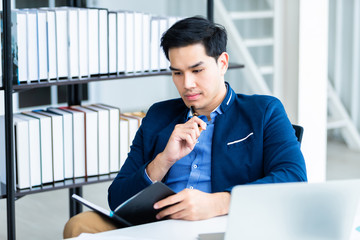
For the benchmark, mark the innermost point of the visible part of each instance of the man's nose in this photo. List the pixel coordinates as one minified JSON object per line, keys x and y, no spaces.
{"x":189,"y":81}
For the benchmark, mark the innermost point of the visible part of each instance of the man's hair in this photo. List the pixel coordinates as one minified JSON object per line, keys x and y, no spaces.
{"x":196,"y":30}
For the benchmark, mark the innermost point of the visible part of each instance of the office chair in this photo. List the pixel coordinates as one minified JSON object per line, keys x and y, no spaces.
{"x":299,"y":130}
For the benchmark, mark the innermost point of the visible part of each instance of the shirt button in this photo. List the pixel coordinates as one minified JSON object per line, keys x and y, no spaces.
{"x":191,"y":187}
{"x":195,"y":166}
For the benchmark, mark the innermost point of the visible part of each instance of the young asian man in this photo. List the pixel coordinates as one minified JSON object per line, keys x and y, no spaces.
{"x":206,"y":142}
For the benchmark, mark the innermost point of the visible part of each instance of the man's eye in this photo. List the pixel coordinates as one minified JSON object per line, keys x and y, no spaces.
{"x":176,"y":73}
{"x":197,"y":70}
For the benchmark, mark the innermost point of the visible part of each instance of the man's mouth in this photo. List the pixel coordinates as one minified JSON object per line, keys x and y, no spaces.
{"x":192,"y":96}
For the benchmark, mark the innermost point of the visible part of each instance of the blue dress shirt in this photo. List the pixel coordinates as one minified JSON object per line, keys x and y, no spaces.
{"x":194,"y":170}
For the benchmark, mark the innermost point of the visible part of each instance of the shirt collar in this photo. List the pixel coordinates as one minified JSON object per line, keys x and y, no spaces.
{"x":213,"y":114}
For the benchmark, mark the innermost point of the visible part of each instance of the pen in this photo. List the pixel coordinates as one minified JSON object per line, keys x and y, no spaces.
{"x":196,"y":114}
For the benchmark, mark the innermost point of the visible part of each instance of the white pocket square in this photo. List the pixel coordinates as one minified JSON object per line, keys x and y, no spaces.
{"x":240,"y":140}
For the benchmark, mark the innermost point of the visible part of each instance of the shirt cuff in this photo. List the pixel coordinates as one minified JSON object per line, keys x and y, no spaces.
{"x":147,"y":178}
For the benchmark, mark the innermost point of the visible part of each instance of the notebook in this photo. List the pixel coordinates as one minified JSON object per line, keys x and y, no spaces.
{"x":295,"y":211}
{"x":137,"y":209}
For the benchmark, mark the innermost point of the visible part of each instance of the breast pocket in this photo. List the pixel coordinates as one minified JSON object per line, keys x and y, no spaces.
{"x":241,"y":141}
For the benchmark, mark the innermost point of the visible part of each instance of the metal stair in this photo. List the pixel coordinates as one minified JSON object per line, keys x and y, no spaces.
{"x":255,"y":75}
{"x":338,"y":118}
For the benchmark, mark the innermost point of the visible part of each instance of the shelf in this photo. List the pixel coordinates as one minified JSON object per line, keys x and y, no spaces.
{"x":99,"y":78}
{"x":68,"y":183}
{"x":74,"y":95}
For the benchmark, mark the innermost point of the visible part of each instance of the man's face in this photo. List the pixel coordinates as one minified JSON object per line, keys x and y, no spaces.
{"x":198,"y":77}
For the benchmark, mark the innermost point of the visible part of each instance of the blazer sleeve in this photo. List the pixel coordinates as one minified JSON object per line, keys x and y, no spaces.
{"x":282,"y":157}
{"x":131,"y":179}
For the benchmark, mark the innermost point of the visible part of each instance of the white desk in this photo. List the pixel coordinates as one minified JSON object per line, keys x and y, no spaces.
{"x":179,"y":230}
{"x":163,"y":230}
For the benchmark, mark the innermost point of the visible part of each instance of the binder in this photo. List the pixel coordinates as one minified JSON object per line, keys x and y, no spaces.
{"x":42,"y":44}
{"x":45,"y":146}
{"x":114,"y":136}
{"x":138,"y":39}
{"x":34,"y":148}
{"x":2,"y":151}
{"x":52,"y":45}
{"x":136,"y":115}
{"x":155,"y":44}
{"x":133,"y":127}
{"x":62,"y":43}
{"x":67,"y":141}
{"x":129,"y":42}
{"x":112,"y":42}
{"x":124,"y":139}
{"x":93,"y":24}
{"x":57,"y":144}
{"x":146,"y":42}
{"x":91,"y":140}
{"x":73,"y":33}
{"x":19,"y":46}
{"x":120,"y":38}
{"x":133,"y":123}
{"x":78,"y":141}
{"x":83,"y":42}
{"x":163,"y":62}
{"x":32,"y":46}
{"x":22,"y":161}
{"x":103,"y":143}
{"x":103,"y":41}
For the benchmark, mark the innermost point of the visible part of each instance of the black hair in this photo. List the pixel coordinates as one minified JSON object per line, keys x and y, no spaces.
{"x":196,"y":30}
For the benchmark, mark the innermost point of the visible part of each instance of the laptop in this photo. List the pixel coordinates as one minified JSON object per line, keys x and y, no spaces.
{"x":295,"y":211}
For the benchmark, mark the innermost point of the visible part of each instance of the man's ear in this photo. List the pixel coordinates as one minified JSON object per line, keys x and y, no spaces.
{"x":223,"y":62}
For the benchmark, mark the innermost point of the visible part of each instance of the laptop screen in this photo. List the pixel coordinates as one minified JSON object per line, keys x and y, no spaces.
{"x":293,"y":210}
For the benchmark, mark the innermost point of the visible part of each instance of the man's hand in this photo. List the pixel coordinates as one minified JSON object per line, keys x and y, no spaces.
{"x":191,"y":204}
{"x":181,"y":142}
{"x":183,"y":139}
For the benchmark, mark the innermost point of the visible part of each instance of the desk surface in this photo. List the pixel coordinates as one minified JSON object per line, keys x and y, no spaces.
{"x":163,"y":230}
{"x":180,"y":230}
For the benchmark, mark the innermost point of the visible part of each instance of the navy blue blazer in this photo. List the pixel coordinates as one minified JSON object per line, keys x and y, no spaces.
{"x":253,"y":142}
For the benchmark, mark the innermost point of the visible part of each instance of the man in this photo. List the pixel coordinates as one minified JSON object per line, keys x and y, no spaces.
{"x":210,"y":139}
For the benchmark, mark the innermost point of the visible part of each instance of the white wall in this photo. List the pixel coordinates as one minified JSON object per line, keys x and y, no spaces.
{"x":344,"y":54}
{"x":290,"y":58}
{"x":134,"y":94}
{"x":312,"y":87}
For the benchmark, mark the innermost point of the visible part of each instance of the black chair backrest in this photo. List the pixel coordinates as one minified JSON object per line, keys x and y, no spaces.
{"x":299,"y":130}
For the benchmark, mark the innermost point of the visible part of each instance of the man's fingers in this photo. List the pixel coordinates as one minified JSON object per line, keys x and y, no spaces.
{"x":169,"y":201}
{"x":174,"y":211}
{"x":175,"y":206}
{"x":201,"y":124}
{"x":190,"y":134}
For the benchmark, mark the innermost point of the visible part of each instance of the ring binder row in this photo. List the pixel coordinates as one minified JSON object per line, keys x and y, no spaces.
{"x":64,"y":43}
{"x":55,"y":144}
